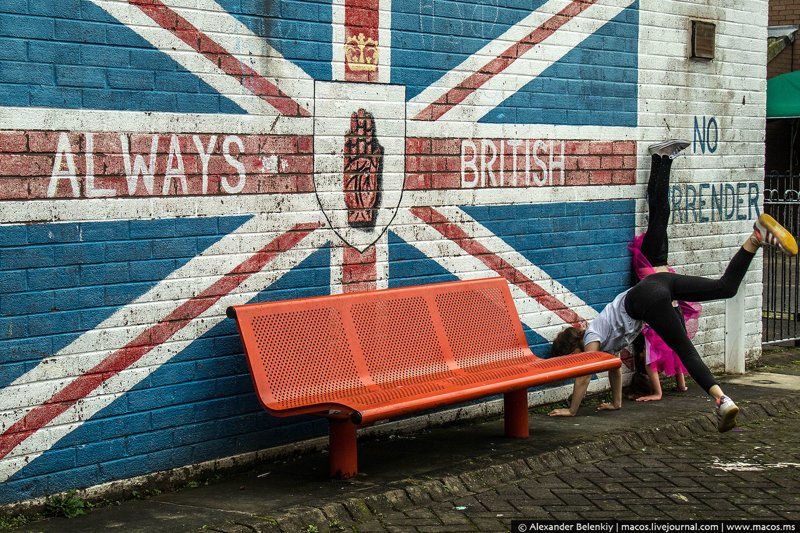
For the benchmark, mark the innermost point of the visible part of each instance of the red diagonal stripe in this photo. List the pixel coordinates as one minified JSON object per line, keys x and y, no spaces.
{"x":41,"y":415}
{"x":359,"y":270}
{"x":453,"y":232}
{"x":457,"y":94}
{"x":249,"y":78}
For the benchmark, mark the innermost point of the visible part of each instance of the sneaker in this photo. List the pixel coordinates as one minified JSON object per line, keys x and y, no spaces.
{"x":670,"y":148}
{"x":726,"y":414}
{"x":770,"y":233}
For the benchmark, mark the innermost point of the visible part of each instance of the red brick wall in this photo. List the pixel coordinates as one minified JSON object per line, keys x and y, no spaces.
{"x":781,"y":13}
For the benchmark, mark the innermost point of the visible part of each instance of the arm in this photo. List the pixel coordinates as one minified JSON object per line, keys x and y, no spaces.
{"x":579,"y":389}
{"x":615,"y":377}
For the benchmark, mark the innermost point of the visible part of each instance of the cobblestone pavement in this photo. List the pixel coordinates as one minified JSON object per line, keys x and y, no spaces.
{"x":745,"y":474}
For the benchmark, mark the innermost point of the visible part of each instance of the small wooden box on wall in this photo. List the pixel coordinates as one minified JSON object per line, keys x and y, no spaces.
{"x":703,"y":40}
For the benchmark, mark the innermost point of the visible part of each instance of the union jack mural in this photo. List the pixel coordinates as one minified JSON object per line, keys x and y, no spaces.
{"x":161,"y":160}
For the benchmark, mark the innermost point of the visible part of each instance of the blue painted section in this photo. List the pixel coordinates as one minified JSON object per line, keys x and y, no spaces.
{"x":596,"y":83}
{"x":198,"y":406}
{"x":409,"y":266}
{"x":582,"y":245}
{"x":64,"y":279}
{"x":72,"y":54}
{"x":301,"y":31}
{"x":431,"y":37}
{"x":539,"y":345}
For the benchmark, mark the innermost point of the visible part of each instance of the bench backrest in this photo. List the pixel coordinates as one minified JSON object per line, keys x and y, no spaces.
{"x":313,"y":350}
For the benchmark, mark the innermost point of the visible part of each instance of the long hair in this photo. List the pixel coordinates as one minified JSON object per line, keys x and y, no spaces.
{"x":567,"y":341}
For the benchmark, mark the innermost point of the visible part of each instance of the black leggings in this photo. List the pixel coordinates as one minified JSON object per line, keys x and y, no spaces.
{"x":655,"y":246}
{"x":650,"y":300}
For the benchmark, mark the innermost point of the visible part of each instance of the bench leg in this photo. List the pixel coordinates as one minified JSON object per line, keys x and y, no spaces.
{"x":515,"y":411}
{"x":343,"y":449}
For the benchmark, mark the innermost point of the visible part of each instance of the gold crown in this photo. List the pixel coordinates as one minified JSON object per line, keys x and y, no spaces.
{"x":361,"y":53}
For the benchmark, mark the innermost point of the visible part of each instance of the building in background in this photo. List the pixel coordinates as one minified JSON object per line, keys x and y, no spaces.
{"x":783,"y":56}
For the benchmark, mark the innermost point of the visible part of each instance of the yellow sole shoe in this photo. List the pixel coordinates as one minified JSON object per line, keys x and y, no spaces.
{"x":773,"y":234}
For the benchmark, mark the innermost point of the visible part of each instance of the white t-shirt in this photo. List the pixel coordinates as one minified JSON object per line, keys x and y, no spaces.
{"x":613,"y":327}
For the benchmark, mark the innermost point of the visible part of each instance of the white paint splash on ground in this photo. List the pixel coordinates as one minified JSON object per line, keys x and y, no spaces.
{"x":744,"y":466}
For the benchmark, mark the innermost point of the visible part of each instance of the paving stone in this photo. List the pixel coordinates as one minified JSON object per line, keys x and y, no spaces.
{"x":452,"y":518}
{"x":357,"y":509}
{"x":371,"y":526}
{"x":455,"y":486}
{"x":405,"y":528}
{"x":336,"y":512}
{"x":421,"y":512}
{"x":378,"y":503}
{"x":529,"y":510}
{"x":417,"y":494}
{"x":488,"y":524}
{"x":450,"y":529}
{"x":398,"y":499}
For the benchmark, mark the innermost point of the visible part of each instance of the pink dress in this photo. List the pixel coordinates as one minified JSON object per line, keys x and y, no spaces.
{"x":660,"y":356}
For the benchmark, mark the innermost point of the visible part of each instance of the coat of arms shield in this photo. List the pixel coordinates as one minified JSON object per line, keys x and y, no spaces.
{"x":359,"y":157}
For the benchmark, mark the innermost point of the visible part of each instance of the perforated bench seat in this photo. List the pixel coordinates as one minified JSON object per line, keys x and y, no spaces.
{"x":360,"y":357}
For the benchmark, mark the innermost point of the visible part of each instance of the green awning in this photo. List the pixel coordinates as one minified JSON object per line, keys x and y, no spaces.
{"x":783,"y":96}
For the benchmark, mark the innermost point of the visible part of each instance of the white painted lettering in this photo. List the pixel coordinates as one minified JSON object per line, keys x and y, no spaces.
{"x":91,"y":190}
{"x":469,"y":163}
{"x":502,"y":163}
{"x":140,"y":168}
{"x":486,"y":167}
{"x":205,"y":156}
{"x":235,"y":163}
{"x":514,"y":144}
{"x":63,"y":153}
{"x":528,"y":163}
{"x":539,"y":145}
{"x":559,"y":165}
{"x":174,"y":171}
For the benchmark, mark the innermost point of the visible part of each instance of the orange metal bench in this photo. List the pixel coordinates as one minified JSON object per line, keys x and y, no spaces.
{"x":360,"y":357}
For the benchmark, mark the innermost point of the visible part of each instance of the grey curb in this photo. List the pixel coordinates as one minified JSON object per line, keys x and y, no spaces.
{"x":414,"y":494}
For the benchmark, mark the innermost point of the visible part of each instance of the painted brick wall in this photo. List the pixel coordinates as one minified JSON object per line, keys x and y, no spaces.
{"x":784,"y":13}
{"x":149,"y":150}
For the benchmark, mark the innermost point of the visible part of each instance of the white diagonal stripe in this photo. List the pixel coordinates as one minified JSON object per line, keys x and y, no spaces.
{"x":454,"y":259}
{"x":490,"y":51}
{"x":186,"y":56}
{"x":251,"y":49}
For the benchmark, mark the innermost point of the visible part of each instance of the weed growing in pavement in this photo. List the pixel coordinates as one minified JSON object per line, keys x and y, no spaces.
{"x":67,"y":505}
{"x":8,"y":522}
{"x":311,"y":528}
{"x":335,"y":525}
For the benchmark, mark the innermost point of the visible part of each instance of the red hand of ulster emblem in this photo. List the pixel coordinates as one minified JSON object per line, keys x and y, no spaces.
{"x":363,"y":165}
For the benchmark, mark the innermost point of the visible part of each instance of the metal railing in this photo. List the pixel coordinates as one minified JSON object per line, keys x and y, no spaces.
{"x":781,"y":293}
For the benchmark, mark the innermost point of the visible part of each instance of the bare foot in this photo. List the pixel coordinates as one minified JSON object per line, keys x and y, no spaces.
{"x":605,"y":406}
{"x":681,"y":389}
{"x":649,"y":398}
{"x":561,"y":412}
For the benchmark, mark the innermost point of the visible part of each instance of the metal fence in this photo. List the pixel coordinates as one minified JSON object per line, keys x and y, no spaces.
{"x":781,"y":304}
